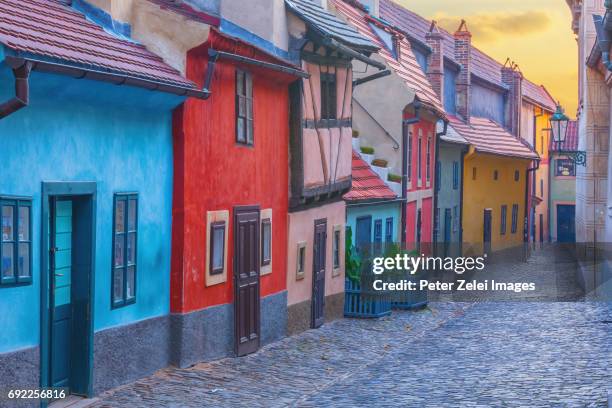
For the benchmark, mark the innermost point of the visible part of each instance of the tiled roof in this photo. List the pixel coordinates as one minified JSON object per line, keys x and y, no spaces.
{"x":406,"y":67}
{"x":49,"y":29}
{"x":488,"y":137}
{"x":571,"y":139}
{"x":367,"y":185}
{"x":328,"y":24}
{"x":539,"y":95}
{"x":187,"y":11}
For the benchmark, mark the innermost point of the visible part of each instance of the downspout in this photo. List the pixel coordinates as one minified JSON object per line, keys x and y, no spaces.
{"x":464,"y":153}
{"x":22,"y":90}
{"x":435,"y":183}
{"x":405,"y":123}
{"x":526,"y":221}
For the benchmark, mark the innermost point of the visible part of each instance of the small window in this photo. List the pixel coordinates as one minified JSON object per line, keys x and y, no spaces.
{"x":244,"y":108}
{"x":455,"y":218}
{"x":378,"y":231}
{"x":125,"y":239}
{"x":517,"y":175}
{"x":409,"y":155}
{"x":16,"y":241}
{"x":455,"y":175}
{"x":428,"y":161}
{"x":336,"y":247}
{"x":419,"y":153}
{"x":301,"y":260}
{"x":495,"y":175}
{"x":328,"y":96}
{"x":266,"y":241}
{"x":565,"y":167}
{"x":515,"y":209}
{"x":389,"y":230}
{"x":541,"y":187}
{"x":217,"y":247}
{"x":473,"y":173}
{"x":504,"y":215}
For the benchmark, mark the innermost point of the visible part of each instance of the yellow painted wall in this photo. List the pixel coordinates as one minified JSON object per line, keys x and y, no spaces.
{"x":484,"y":192}
{"x":541,"y":179}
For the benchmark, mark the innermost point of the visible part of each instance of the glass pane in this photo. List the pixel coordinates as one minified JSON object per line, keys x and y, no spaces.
{"x":131,"y":278}
{"x":267,"y":238}
{"x":7,"y":261}
{"x":24,"y":260}
{"x":240,"y":83}
{"x":249,"y":131}
{"x":7,"y":223}
{"x":119,"y":249}
{"x":118,"y":284}
{"x":249,"y":85}
{"x":218,"y":247}
{"x":120,"y":216}
{"x":24,"y":223}
{"x":249,"y":104}
{"x":241,"y":106}
{"x":240,"y":132}
{"x":131,"y":249}
{"x":132,"y":214}
{"x":301,"y":259}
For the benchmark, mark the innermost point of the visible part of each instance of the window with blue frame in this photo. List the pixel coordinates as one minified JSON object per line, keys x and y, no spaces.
{"x":455,"y":175}
{"x":16,"y":242}
{"x":455,"y":218}
{"x":125,"y":239}
{"x":504,"y":215}
{"x":389,"y":230}
{"x":378,"y":231}
{"x":514,"y":218}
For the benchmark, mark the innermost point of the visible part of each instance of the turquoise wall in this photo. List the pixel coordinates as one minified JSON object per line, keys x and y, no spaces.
{"x":378,"y":212}
{"x":449,"y":197}
{"x":81,"y":130}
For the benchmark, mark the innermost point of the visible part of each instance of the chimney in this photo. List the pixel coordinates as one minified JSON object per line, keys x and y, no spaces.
{"x":373,"y":7}
{"x":435,"y":63}
{"x":513,"y":78}
{"x":463,"y":55}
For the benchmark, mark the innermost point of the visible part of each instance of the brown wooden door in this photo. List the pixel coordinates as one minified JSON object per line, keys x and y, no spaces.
{"x":246,"y":280}
{"x":318,"y":275}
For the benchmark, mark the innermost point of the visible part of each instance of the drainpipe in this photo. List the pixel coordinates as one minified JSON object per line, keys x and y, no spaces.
{"x":435,"y":183}
{"x":22,"y":90}
{"x":405,"y":123}
{"x":526,"y":221}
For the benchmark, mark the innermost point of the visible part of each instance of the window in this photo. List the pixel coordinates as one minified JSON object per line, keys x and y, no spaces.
{"x":473,"y":173}
{"x":419,"y":158}
{"x":504,"y":215}
{"x":515,"y":209}
{"x":495,"y":175}
{"x":328,"y":96}
{"x":125,"y":238}
{"x":217,"y":247}
{"x":266,"y":241}
{"x":378,"y":231}
{"x":437,"y":224}
{"x":455,"y":175}
{"x":455,"y":218}
{"x":409,"y":155}
{"x":541,"y":187}
{"x":389,"y":230}
{"x":428,"y":161}
{"x":244,"y":107}
{"x":438,"y":175}
{"x":517,"y":175}
{"x":336,"y":246}
{"x":565,"y":167}
{"x":16,"y":241}
{"x":301,"y":260}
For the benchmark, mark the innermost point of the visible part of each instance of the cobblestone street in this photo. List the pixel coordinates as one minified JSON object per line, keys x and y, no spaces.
{"x":487,"y":354}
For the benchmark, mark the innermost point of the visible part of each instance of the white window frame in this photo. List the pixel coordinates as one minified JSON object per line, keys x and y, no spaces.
{"x":266,"y":215}
{"x":213,"y":217}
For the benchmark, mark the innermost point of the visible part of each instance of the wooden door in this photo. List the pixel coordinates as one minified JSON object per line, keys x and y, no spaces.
{"x":566,"y":228}
{"x":487,"y":230}
{"x":60,"y":269}
{"x":246,"y":280}
{"x":318,"y":274}
{"x":363,"y":238}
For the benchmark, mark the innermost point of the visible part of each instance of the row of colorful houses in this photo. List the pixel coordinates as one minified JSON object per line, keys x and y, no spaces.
{"x":181,"y":175}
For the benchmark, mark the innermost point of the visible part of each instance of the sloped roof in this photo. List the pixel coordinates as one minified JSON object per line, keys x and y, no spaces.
{"x":367,"y":185}
{"x":571,"y":140}
{"x":55,"y":31}
{"x":539,"y":95}
{"x":188,"y":11}
{"x":406,"y":67}
{"x":488,"y":137}
{"x":328,"y":24}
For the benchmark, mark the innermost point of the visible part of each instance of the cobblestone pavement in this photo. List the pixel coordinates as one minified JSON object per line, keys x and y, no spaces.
{"x":486,"y":354}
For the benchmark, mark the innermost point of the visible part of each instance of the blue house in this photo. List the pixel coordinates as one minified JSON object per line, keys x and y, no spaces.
{"x":86,"y":201}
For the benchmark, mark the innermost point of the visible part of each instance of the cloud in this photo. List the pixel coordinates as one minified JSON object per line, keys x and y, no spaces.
{"x":491,"y":26}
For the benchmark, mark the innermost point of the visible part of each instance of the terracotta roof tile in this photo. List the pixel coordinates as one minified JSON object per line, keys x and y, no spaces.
{"x":539,"y":95}
{"x":406,"y":67}
{"x":53,"y":30}
{"x":187,"y":11}
{"x":367,"y":185}
{"x":571,"y":140}
{"x":488,"y":137}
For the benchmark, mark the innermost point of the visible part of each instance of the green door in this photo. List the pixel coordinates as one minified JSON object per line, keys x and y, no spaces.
{"x":61,"y":287}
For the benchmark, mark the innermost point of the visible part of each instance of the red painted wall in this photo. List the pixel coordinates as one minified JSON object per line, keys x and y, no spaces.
{"x":212,"y":172}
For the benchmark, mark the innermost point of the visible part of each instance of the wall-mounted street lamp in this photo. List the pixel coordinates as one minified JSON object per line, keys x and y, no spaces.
{"x":559,"y":124}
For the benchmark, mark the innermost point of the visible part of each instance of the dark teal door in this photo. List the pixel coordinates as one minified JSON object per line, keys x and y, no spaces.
{"x":448,"y":220}
{"x":61,"y":284}
{"x":566,"y":224}
{"x":486,"y":236}
{"x":363,"y":238}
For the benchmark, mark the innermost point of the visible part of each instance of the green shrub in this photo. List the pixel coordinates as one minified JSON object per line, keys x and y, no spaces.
{"x":394,"y":178}
{"x":380,"y":163}
{"x":367,"y":150}
{"x":355,"y":133}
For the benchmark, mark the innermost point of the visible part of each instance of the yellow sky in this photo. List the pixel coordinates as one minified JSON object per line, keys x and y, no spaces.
{"x":535,"y":34}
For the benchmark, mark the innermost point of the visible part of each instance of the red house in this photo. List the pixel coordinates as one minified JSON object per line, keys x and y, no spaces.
{"x":229,"y":256}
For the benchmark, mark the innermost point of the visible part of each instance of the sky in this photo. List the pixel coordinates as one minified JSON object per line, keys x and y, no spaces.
{"x":536,"y":34}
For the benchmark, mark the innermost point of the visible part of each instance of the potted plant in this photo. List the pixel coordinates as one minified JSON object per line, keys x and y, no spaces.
{"x":380,"y":167}
{"x":367,"y":154}
{"x":395,"y":183}
{"x":355,"y":140}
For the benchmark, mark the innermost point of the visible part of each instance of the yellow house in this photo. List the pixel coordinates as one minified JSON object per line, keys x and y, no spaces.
{"x":494,"y":186}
